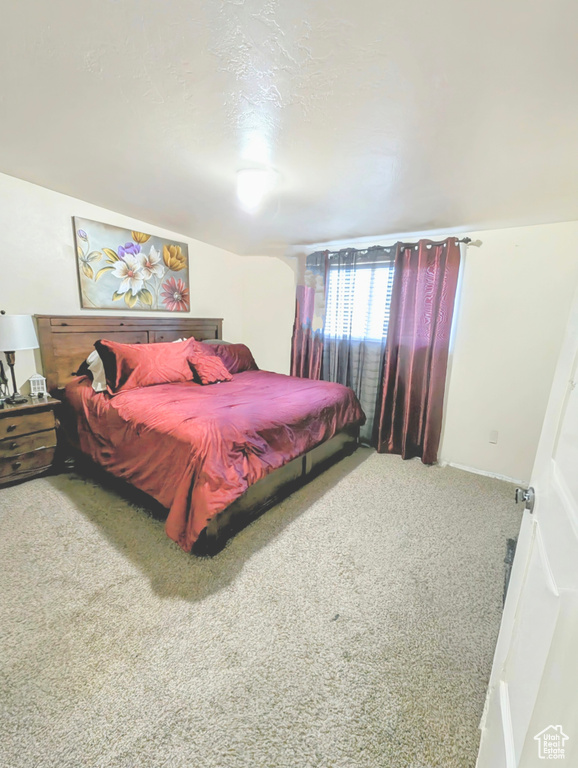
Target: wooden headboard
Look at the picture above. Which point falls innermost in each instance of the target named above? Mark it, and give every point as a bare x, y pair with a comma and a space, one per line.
67, 340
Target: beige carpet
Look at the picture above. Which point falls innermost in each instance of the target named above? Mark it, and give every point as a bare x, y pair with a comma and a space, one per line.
351, 626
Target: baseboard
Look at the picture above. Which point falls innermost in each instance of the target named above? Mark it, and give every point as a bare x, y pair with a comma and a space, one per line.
495, 475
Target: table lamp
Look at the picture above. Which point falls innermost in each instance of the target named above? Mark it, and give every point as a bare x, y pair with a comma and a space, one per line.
16, 332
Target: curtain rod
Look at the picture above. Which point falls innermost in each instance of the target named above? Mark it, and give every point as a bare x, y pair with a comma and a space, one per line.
465, 240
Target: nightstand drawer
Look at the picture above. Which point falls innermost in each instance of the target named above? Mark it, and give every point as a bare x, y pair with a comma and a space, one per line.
25, 462
27, 443
18, 423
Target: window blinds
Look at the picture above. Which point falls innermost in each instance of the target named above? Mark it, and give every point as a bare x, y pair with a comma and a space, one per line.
358, 301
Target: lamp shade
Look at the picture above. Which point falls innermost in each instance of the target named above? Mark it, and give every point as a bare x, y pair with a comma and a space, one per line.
17, 332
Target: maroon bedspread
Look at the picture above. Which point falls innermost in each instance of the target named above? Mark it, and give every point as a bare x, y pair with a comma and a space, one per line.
196, 449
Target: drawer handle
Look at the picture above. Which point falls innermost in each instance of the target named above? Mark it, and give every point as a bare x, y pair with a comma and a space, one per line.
16, 464
11, 427
12, 446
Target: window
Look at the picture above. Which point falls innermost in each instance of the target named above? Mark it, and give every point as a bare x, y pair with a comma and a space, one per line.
358, 300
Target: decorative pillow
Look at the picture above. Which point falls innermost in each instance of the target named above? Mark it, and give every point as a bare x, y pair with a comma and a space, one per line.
94, 369
237, 357
128, 366
83, 369
208, 369
212, 342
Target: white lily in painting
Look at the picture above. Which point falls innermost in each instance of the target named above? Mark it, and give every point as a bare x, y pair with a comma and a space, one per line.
151, 265
130, 271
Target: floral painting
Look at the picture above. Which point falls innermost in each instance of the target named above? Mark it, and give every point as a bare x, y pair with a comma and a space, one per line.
120, 268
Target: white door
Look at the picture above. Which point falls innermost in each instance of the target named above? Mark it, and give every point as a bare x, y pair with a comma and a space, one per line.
531, 714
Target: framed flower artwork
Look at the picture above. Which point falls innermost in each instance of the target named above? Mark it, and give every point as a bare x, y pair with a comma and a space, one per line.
120, 268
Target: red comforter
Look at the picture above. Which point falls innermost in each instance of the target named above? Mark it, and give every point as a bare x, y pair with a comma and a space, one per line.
196, 449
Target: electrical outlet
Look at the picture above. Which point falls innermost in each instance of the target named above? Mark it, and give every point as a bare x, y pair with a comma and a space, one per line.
494, 436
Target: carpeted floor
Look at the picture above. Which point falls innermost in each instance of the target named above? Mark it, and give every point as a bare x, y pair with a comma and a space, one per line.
352, 626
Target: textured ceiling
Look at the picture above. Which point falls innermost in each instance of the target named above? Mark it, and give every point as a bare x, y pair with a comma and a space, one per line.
379, 117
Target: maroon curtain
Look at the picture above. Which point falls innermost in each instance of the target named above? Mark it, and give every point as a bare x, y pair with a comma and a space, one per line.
306, 344
307, 341
417, 347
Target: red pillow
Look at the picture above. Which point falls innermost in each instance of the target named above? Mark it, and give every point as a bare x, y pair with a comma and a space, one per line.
237, 357
128, 366
208, 369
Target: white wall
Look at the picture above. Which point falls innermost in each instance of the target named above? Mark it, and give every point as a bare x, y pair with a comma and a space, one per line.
39, 276
269, 309
514, 304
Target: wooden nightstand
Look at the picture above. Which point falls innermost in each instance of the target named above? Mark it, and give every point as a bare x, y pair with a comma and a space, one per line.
27, 439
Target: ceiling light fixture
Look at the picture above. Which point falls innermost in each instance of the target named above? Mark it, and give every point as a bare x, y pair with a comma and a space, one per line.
252, 186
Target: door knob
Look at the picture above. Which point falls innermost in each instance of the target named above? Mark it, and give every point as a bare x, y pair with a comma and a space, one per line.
527, 496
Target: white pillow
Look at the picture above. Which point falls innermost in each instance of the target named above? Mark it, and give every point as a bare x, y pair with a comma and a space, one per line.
96, 367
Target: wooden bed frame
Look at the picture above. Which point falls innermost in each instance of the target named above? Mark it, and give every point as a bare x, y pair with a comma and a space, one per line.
66, 341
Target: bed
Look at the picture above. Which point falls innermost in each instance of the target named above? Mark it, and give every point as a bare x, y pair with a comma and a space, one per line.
215, 457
